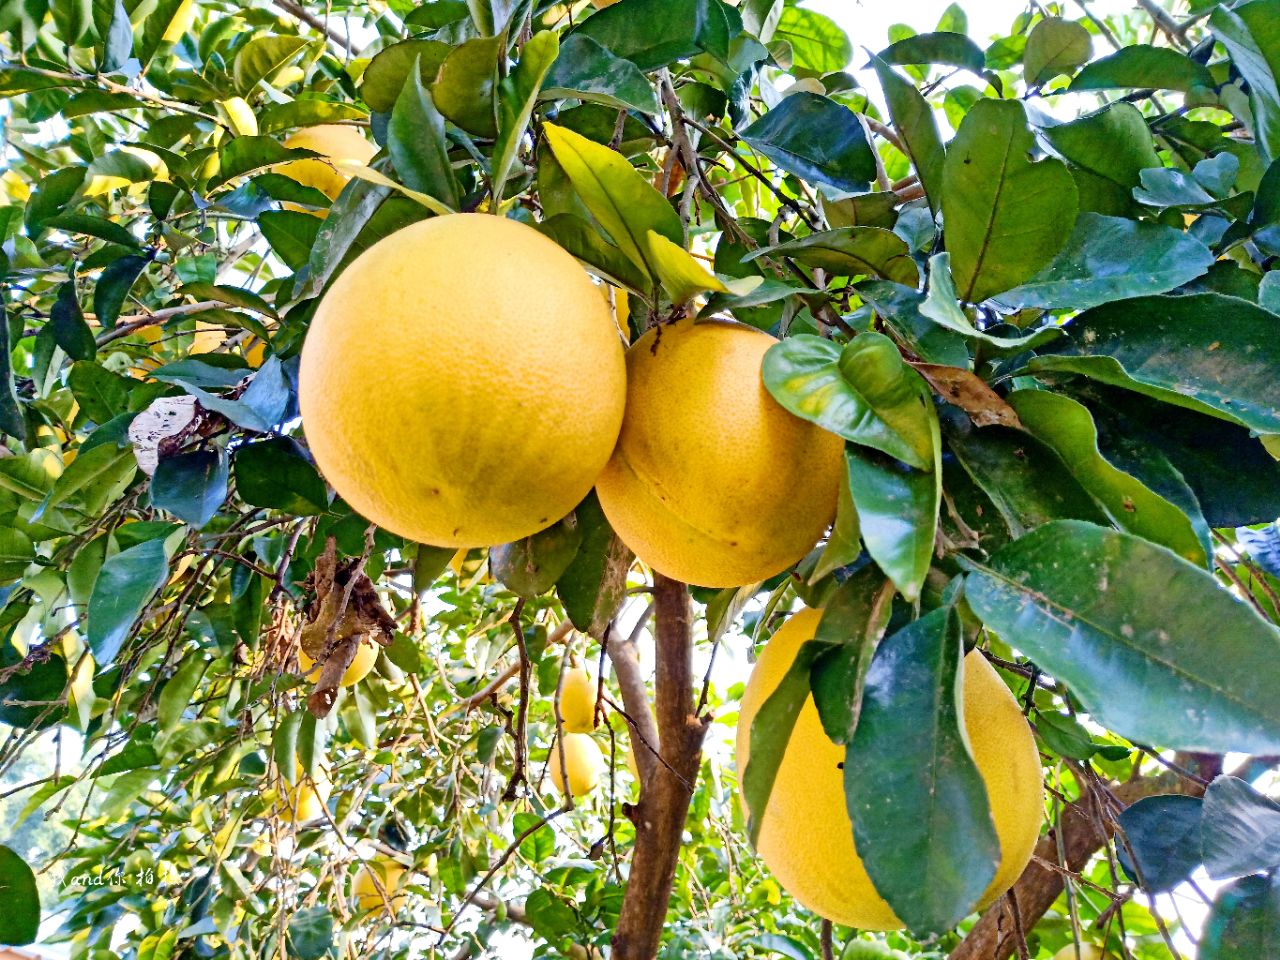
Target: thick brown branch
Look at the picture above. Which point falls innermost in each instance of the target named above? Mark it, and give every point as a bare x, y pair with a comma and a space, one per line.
995, 936
667, 788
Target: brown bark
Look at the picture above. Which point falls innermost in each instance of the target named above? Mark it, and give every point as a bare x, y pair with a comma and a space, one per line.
667, 789
995, 936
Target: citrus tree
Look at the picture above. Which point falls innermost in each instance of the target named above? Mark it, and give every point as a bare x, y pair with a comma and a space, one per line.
415, 415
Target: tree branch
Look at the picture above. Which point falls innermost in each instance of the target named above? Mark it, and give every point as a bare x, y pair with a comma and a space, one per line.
635, 697
668, 787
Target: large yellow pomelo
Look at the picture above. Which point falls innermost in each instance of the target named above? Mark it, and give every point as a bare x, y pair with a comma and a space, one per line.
332, 140
806, 838
712, 481
583, 761
366, 656
380, 892
305, 799
578, 701
462, 382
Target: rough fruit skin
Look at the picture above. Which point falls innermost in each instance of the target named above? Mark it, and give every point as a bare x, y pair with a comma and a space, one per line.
366, 656
332, 140
578, 701
365, 888
799, 839
462, 382
712, 481
583, 760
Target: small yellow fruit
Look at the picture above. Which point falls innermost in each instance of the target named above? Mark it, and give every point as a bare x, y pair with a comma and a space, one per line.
712, 481
331, 140
366, 656
305, 799
365, 887
578, 701
582, 759
254, 351
462, 382
806, 838
1087, 952
208, 337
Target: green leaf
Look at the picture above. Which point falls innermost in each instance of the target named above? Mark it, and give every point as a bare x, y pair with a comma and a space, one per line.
942, 307
853, 620
385, 77
1026, 481
844, 545
1241, 830
178, 691
38, 688
191, 486
276, 473
99, 227
100, 393
594, 584
517, 95
113, 287
1244, 922
156, 25
679, 271
818, 44
1067, 737
850, 252
70, 331
1150, 644
310, 933
20, 919
1055, 46
465, 88
588, 71
93, 473
124, 585
863, 392
538, 845
291, 234
417, 145
532, 566
258, 59
672, 30
917, 128
1004, 216
1112, 258
586, 243
921, 819
1161, 846
1067, 427
1251, 35
1115, 143
1143, 65
244, 155
952, 49
1208, 352
11, 421
623, 201
16, 553
898, 513
816, 139
275, 117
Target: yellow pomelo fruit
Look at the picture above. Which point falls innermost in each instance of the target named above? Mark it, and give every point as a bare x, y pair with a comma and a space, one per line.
208, 337
1087, 952
305, 799
583, 761
462, 382
806, 838
712, 481
365, 887
578, 701
332, 140
366, 656
254, 351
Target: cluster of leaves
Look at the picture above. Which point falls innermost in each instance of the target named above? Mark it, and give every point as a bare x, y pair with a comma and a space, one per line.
1048, 342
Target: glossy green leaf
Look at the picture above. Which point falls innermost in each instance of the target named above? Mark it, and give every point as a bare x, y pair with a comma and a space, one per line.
465, 90
1055, 46
70, 331
416, 143
114, 284
10, 413
1251, 36
1067, 427
16, 552
682, 276
817, 42
853, 620
28, 697
844, 543
276, 473
673, 29
311, 933
917, 127
385, 77
1161, 845
1148, 643
517, 95
291, 234
1143, 65
589, 71
1004, 215
586, 243
191, 486
942, 306
1244, 922
863, 392
532, 566
1241, 830
1208, 352
594, 584
921, 819
898, 513
951, 49
124, 585
92, 226
1111, 258
816, 139
1115, 143
623, 201
20, 919
177, 694
261, 57
850, 252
